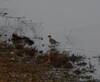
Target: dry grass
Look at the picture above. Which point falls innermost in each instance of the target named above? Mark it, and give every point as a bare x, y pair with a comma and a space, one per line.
24, 65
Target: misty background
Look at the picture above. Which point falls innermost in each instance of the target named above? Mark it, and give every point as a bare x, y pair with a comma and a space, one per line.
61, 16
78, 20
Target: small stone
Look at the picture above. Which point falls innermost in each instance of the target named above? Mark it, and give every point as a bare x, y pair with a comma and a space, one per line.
13, 59
12, 53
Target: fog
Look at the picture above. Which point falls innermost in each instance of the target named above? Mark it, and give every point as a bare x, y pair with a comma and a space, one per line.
59, 17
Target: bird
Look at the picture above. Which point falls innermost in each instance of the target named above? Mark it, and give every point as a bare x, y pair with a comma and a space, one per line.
52, 41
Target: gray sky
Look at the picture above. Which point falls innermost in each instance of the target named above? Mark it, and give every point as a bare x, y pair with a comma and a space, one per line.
59, 16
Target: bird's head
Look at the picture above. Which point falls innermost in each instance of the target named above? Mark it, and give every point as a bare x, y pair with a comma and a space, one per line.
49, 35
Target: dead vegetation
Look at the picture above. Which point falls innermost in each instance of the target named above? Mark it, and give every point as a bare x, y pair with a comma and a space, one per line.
23, 64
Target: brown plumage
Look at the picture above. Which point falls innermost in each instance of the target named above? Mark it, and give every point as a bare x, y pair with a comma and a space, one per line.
52, 41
